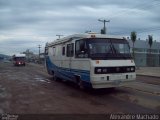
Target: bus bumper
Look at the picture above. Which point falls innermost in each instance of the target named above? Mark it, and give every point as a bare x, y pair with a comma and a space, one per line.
109, 81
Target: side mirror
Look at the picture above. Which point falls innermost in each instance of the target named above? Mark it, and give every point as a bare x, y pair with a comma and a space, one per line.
82, 46
82, 52
71, 51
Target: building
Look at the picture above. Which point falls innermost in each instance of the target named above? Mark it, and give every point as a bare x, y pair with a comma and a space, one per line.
143, 55
30, 56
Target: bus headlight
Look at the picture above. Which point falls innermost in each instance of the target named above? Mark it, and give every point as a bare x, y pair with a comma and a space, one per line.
101, 70
104, 70
119, 69
132, 69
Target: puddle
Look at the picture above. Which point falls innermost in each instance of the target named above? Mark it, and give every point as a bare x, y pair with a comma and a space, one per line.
5, 71
2, 89
12, 77
1, 111
3, 93
40, 79
4, 106
42, 92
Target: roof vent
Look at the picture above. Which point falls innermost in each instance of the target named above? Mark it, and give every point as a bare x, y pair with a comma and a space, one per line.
92, 33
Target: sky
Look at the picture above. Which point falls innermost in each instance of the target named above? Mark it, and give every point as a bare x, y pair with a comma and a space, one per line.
25, 24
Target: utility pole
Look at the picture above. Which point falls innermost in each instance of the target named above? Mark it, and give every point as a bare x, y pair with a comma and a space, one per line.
39, 46
103, 31
59, 36
27, 54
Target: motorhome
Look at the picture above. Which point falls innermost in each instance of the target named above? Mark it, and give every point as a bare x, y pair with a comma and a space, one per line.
91, 60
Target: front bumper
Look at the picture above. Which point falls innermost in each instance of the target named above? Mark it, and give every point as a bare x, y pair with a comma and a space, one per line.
112, 80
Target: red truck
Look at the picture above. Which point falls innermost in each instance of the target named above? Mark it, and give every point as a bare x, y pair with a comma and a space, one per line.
19, 59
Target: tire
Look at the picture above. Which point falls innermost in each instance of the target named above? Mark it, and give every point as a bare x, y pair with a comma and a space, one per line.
55, 78
80, 84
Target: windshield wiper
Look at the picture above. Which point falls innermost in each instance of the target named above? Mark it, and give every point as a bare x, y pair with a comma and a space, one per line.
117, 53
112, 48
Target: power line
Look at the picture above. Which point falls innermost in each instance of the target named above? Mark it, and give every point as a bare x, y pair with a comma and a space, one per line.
143, 6
39, 46
138, 31
15, 35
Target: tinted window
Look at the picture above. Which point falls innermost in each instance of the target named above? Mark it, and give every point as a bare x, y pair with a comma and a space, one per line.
81, 49
63, 50
46, 51
70, 48
54, 51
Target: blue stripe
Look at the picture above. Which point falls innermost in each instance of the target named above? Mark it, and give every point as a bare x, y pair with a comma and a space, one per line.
66, 73
75, 70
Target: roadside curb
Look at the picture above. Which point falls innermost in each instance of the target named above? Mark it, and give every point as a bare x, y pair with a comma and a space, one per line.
148, 75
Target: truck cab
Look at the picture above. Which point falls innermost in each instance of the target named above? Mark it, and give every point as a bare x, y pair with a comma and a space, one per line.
19, 60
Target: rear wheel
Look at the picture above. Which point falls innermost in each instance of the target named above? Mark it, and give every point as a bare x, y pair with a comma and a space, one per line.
79, 82
55, 77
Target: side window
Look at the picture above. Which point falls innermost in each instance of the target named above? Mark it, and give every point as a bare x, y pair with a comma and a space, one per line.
54, 51
46, 51
81, 49
77, 47
63, 50
70, 50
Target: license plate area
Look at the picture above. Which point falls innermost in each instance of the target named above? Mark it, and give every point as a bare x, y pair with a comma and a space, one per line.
118, 77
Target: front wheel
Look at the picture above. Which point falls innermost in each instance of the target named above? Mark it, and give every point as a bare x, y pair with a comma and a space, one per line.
81, 85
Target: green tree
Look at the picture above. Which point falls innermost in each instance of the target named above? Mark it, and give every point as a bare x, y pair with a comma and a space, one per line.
133, 38
150, 41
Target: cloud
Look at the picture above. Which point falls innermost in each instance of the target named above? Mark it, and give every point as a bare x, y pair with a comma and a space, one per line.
35, 20
12, 46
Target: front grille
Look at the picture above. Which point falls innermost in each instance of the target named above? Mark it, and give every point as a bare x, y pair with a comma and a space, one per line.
107, 70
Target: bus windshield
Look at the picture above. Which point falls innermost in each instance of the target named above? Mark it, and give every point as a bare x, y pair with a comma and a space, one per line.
109, 49
105, 48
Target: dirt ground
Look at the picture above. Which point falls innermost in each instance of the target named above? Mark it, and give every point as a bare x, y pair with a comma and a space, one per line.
30, 90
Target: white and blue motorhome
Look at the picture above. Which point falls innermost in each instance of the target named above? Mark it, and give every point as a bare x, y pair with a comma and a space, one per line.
91, 60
